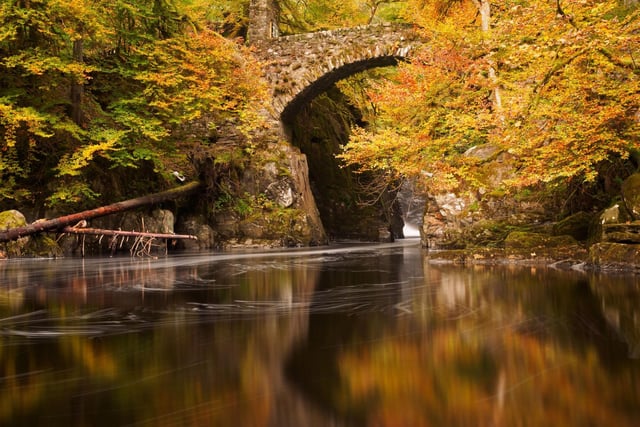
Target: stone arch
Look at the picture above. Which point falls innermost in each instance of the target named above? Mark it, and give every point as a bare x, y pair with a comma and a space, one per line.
325, 81
300, 67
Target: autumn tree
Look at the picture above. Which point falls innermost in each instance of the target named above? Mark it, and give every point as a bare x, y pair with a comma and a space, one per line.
86, 87
555, 84
299, 16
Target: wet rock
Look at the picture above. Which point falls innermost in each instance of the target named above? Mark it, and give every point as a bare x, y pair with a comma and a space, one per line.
615, 256
195, 227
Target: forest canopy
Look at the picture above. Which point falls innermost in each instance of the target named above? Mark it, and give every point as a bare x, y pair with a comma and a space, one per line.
555, 84
92, 89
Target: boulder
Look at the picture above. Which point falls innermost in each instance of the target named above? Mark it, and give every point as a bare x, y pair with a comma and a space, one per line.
30, 246
613, 215
12, 219
196, 227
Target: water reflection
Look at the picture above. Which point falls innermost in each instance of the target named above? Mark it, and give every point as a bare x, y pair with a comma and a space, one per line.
372, 336
135, 342
477, 346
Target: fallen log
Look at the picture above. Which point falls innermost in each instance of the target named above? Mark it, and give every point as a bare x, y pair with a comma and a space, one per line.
63, 221
117, 233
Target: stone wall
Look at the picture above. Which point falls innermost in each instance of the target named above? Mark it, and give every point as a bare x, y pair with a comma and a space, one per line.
263, 15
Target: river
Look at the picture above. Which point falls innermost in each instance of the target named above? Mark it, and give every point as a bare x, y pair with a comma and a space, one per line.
348, 335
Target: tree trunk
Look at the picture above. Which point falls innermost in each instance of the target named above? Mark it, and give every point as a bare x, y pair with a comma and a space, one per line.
63, 221
77, 88
484, 9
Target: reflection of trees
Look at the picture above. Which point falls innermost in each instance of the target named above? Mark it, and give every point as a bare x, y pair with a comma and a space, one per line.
619, 298
383, 345
513, 380
133, 347
545, 303
480, 346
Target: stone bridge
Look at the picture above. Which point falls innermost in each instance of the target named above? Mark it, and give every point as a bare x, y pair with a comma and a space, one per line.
302, 66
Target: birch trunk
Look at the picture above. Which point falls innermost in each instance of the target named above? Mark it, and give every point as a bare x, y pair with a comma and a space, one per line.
484, 9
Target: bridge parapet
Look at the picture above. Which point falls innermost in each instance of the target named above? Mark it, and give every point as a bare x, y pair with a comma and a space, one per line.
302, 66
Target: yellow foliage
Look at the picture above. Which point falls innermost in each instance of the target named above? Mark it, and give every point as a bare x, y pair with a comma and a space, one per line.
568, 82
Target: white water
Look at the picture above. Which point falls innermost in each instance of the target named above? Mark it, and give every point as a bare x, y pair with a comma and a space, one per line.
410, 230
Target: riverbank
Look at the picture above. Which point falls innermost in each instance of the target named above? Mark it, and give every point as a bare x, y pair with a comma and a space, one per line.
606, 256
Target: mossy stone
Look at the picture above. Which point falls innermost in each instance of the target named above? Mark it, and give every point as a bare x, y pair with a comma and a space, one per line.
43, 247
28, 246
13, 219
529, 240
524, 239
615, 256
576, 226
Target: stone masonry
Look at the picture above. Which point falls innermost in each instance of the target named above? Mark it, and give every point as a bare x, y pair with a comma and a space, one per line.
302, 66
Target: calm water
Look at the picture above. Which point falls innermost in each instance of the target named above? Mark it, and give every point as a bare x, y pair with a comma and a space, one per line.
349, 336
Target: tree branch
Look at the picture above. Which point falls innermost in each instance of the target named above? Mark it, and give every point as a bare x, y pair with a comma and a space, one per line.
117, 233
63, 221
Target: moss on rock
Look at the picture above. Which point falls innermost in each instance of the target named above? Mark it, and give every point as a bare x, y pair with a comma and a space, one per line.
13, 219
28, 246
43, 246
615, 256
529, 240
